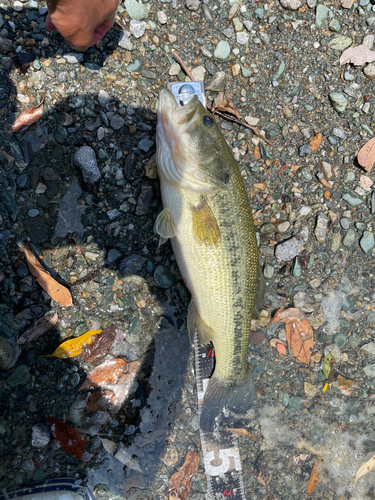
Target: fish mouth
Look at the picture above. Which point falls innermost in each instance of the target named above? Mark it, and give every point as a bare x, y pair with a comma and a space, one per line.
172, 114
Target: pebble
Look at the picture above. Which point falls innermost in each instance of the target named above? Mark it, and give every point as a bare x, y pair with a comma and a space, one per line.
289, 249
134, 66
268, 271
137, 10
349, 238
217, 82
207, 14
17, 6
369, 71
9, 353
368, 40
370, 370
321, 228
296, 269
340, 42
137, 28
367, 242
124, 41
174, 69
222, 50
335, 25
369, 348
349, 177
327, 170
20, 376
114, 254
145, 145
193, 4
162, 17
291, 4
132, 264
117, 122
163, 276
338, 101
279, 72
237, 24
344, 222
259, 13
85, 159
242, 38
352, 200
104, 98
335, 242
73, 58
321, 15
340, 339
304, 150
33, 212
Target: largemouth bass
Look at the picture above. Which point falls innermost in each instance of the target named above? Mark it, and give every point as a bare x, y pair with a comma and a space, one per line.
207, 216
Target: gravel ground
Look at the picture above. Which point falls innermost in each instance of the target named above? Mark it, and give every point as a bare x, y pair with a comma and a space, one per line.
80, 186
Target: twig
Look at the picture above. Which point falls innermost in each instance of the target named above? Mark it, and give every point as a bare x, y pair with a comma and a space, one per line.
219, 113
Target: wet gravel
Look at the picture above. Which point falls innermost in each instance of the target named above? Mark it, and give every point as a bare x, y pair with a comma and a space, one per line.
80, 186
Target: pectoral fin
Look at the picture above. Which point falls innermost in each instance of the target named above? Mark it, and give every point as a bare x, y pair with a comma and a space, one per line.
165, 225
205, 226
195, 323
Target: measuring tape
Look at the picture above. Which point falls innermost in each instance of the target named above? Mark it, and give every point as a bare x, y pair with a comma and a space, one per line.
220, 449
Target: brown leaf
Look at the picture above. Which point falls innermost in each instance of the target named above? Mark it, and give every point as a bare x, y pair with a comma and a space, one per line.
101, 401
98, 349
299, 333
300, 337
27, 117
179, 483
71, 440
54, 289
314, 476
106, 373
42, 326
228, 107
366, 155
357, 55
217, 101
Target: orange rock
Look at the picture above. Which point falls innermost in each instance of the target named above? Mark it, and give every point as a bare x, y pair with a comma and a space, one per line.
256, 153
327, 195
316, 142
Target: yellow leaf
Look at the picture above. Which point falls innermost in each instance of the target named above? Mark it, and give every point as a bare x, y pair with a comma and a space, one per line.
73, 347
365, 468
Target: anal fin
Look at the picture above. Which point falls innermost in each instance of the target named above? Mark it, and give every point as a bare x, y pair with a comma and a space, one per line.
195, 323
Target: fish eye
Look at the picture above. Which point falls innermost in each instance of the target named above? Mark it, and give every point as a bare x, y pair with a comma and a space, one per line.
208, 121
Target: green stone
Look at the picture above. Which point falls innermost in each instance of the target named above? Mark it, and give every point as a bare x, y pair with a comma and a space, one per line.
279, 72
335, 25
336, 242
19, 377
321, 15
367, 242
349, 238
137, 10
296, 268
349, 177
355, 340
340, 339
163, 276
13, 322
340, 42
352, 200
222, 50
61, 134
295, 404
134, 66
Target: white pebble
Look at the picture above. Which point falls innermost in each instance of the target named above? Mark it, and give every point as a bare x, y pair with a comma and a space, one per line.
18, 6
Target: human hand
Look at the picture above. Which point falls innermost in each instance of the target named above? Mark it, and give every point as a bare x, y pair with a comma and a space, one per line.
82, 23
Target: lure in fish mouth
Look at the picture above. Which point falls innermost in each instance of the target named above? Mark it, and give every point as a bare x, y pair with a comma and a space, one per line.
207, 216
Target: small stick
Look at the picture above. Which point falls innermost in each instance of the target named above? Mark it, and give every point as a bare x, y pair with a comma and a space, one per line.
219, 113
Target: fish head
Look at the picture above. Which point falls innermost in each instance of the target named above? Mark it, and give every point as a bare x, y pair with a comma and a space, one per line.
191, 150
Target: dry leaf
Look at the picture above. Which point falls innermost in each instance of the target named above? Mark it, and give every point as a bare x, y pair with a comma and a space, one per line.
264, 477
101, 401
179, 483
314, 476
54, 289
106, 373
300, 337
365, 468
316, 142
121, 389
71, 440
97, 350
357, 55
217, 101
299, 333
366, 155
73, 347
228, 107
42, 326
27, 117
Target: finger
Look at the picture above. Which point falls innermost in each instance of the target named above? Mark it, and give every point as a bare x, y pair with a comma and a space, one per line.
49, 24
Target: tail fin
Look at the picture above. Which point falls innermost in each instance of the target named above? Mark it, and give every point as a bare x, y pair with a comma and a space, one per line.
228, 404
